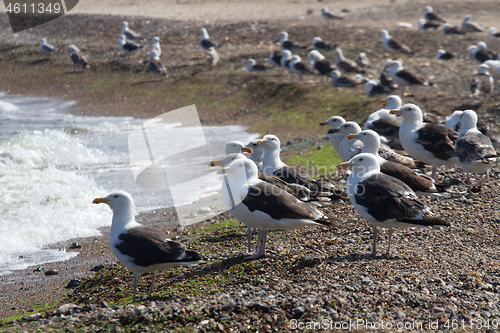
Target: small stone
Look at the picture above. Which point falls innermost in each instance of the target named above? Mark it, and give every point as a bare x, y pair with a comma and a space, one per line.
400, 315
204, 322
228, 306
104, 304
437, 309
75, 246
97, 268
39, 269
73, 283
298, 312
65, 308
51, 272
139, 309
219, 327
34, 316
366, 281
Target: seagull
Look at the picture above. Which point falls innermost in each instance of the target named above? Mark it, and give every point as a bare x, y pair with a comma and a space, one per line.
430, 143
77, 56
275, 58
381, 121
474, 151
266, 205
139, 248
493, 32
337, 80
449, 29
393, 45
404, 77
482, 83
335, 138
481, 53
374, 88
286, 44
300, 67
427, 25
127, 46
443, 55
385, 79
252, 66
470, 26
156, 45
257, 154
348, 148
495, 66
320, 45
273, 165
420, 184
130, 34
346, 65
205, 41
362, 60
429, 15
212, 57
155, 66
46, 47
286, 57
323, 66
385, 201
329, 15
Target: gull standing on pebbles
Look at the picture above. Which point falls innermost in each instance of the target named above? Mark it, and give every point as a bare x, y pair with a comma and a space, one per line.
139, 248
155, 43
205, 41
392, 44
443, 55
252, 66
286, 44
46, 47
429, 15
482, 83
212, 57
330, 15
320, 45
430, 143
155, 66
344, 64
127, 46
471, 26
129, 33
77, 56
385, 201
473, 150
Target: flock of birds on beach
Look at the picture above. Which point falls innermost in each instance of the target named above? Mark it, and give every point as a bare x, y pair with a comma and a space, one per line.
385, 162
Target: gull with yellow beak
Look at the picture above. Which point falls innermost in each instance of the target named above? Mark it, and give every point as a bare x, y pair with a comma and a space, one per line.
139, 248
384, 201
430, 143
384, 123
420, 184
264, 205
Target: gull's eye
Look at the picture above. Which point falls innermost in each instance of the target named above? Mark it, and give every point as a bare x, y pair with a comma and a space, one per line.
116, 196
360, 159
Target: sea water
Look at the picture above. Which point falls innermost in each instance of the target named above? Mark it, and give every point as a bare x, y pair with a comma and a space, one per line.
53, 163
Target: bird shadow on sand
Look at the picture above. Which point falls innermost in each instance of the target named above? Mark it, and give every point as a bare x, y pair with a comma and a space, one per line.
145, 82
39, 61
